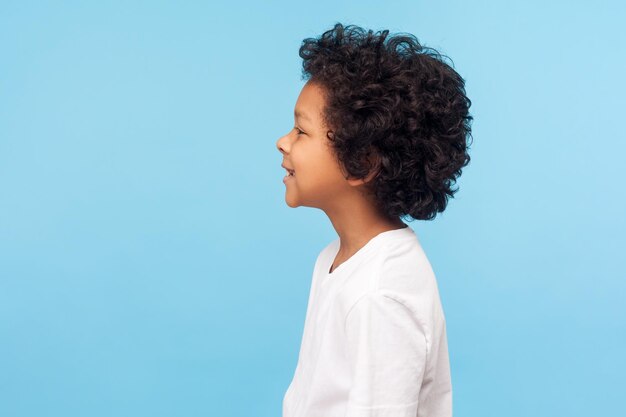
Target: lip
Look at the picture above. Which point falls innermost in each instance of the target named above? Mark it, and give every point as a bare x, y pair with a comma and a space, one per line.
287, 177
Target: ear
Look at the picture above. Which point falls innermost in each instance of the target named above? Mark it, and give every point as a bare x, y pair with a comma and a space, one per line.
374, 163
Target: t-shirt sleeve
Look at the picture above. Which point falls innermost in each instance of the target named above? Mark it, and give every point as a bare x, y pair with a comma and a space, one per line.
387, 350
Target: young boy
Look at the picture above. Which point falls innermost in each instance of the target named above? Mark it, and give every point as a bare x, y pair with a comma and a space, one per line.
380, 133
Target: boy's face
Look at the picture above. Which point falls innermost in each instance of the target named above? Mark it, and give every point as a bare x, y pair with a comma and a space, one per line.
317, 179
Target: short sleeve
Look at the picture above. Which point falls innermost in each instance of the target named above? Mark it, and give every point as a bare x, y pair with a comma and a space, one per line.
387, 351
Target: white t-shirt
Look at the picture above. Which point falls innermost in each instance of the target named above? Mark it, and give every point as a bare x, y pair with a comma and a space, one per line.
374, 342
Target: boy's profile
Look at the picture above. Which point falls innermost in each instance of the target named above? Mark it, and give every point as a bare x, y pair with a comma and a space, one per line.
380, 134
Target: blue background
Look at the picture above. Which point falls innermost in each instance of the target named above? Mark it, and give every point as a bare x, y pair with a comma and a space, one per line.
149, 265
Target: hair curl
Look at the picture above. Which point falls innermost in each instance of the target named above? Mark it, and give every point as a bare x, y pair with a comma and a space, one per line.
394, 107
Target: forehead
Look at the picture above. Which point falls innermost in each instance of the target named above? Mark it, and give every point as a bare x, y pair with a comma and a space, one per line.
310, 103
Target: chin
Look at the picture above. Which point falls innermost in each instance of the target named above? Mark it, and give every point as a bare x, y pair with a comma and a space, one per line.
291, 203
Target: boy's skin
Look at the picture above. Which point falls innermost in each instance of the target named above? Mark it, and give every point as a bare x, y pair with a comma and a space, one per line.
319, 181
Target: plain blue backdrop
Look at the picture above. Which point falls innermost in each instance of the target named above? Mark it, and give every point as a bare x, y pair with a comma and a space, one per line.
149, 265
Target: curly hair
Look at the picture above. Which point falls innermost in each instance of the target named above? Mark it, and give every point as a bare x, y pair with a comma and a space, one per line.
394, 107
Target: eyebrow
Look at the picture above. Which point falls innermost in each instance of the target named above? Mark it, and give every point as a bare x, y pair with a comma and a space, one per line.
301, 115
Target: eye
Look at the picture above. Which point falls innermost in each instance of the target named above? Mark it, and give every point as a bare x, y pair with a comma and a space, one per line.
299, 131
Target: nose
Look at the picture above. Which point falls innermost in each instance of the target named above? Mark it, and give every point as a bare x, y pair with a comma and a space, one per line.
281, 142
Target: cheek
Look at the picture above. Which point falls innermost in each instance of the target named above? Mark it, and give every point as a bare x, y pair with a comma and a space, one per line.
325, 173
315, 163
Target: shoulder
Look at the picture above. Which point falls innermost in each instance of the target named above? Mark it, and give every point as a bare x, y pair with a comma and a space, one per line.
404, 268
399, 276
398, 266
407, 276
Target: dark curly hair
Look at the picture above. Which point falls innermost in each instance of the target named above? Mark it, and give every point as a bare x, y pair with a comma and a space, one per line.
395, 107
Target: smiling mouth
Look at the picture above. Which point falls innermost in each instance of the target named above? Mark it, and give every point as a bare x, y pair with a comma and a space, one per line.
289, 176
